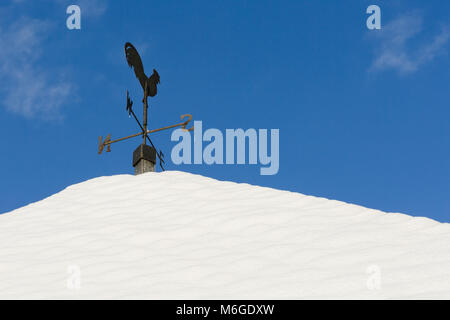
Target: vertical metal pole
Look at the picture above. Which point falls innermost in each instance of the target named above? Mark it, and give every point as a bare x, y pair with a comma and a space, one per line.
145, 114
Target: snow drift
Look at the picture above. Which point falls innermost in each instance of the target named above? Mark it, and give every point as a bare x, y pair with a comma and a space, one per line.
191, 237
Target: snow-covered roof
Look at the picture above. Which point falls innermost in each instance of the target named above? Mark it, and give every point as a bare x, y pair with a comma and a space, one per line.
175, 235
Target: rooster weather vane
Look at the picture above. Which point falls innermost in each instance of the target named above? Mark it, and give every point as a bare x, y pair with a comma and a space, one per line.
144, 157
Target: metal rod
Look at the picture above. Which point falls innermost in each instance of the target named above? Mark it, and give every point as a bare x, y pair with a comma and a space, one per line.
145, 110
149, 140
165, 128
142, 128
145, 134
148, 132
124, 138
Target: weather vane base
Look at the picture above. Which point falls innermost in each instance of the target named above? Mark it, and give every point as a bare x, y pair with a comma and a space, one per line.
144, 159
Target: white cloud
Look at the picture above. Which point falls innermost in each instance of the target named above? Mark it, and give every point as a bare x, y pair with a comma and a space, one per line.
29, 90
394, 49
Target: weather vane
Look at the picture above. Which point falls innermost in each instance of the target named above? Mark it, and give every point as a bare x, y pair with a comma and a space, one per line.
144, 157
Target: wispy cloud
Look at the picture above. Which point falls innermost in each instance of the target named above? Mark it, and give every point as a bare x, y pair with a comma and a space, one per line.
29, 90
394, 49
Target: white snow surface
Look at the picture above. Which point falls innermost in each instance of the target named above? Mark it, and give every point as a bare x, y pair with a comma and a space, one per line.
176, 235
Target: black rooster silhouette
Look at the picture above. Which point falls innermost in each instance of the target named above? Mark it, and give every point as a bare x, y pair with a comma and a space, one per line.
135, 62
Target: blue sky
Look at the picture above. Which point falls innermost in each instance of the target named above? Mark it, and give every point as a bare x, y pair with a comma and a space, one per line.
363, 115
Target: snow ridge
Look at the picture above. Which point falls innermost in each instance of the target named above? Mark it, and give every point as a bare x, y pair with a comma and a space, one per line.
192, 237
